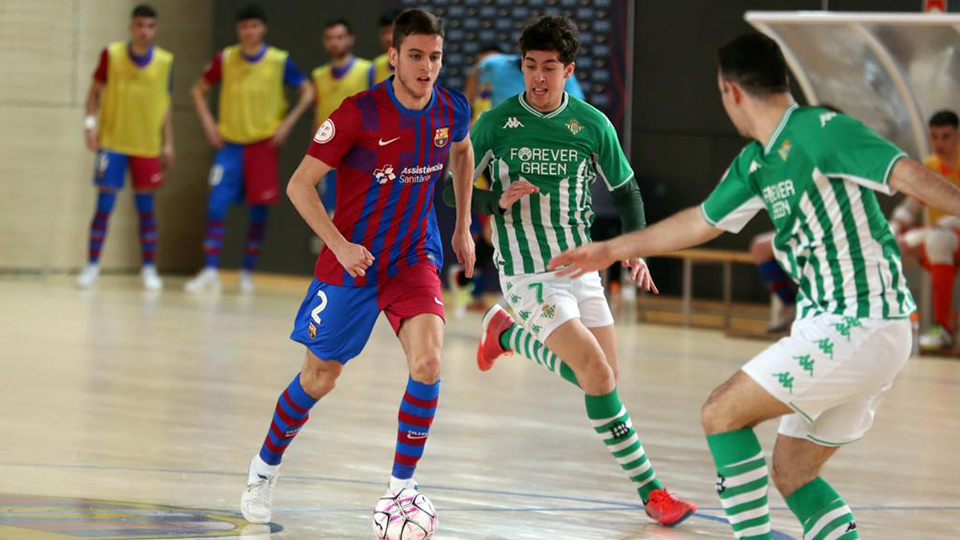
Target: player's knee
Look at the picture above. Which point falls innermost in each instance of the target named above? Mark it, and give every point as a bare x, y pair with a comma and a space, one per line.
786, 478
712, 416
318, 381
596, 376
426, 368
761, 248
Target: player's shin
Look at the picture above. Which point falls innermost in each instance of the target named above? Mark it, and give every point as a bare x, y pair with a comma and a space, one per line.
742, 482
417, 410
822, 512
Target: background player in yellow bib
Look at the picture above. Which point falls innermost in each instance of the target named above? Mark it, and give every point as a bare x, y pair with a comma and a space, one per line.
251, 128
131, 91
382, 68
342, 77
935, 238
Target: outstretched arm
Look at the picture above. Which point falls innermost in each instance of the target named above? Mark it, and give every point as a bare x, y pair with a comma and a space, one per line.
919, 182
682, 230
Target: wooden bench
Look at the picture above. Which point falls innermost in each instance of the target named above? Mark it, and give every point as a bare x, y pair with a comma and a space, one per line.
725, 259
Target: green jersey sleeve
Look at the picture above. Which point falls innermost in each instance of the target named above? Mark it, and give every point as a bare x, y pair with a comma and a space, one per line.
852, 151
733, 203
481, 139
611, 165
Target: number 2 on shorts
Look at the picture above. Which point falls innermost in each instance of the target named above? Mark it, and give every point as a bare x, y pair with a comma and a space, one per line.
315, 314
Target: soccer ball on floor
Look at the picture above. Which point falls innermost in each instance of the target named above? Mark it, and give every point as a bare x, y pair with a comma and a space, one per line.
405, 514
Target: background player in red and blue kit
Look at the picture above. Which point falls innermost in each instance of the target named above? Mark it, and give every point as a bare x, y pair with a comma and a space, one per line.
250, 129
135, 132
382, 249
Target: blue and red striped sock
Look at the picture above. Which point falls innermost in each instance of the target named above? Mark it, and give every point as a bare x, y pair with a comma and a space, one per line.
255, 234
778, 281
98, 226
292, 412
417, 409
213, 243
148, 227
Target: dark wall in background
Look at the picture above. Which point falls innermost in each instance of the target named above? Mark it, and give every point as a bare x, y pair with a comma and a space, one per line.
682, 141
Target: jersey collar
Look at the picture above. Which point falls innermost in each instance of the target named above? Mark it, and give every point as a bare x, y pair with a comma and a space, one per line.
780, 126
140, 61
404, 110
255, 58
532, 110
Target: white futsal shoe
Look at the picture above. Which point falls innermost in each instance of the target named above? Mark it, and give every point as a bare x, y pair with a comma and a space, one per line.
245, 281
256, 504
150, 277
207, 280
88, 276
397, 484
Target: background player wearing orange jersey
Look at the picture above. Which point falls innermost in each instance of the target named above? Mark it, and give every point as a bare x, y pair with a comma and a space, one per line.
937, 239
131, 92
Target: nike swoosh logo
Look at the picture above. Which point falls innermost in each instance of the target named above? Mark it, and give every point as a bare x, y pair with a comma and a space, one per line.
384, 143
439, 303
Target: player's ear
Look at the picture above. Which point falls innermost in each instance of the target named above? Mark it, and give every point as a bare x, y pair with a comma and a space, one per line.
392, 56
568, 69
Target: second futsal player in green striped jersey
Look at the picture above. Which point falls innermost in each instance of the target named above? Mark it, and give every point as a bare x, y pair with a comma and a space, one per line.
543, 150
816, 174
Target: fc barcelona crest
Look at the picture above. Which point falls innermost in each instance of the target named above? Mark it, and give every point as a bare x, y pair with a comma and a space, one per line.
574, 127
312, 331
441, 137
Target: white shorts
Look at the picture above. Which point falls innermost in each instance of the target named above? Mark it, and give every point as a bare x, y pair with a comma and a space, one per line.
542, 302
833, 371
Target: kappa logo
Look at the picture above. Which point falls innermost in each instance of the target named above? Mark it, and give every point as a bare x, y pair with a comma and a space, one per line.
384, 174
721, 483
826, 117
754, 166
325, 132
512, 123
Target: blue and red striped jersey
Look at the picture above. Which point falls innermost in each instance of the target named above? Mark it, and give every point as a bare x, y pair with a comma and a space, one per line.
388, 159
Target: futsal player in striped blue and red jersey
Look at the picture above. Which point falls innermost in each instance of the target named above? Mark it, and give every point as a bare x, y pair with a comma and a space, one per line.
382, 249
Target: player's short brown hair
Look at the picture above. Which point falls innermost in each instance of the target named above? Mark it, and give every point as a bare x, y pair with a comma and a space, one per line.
551, 33
415, 21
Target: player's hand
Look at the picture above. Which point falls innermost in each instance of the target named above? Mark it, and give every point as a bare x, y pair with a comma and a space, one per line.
214, 137
354, 258
91, 136
516, 191
168, 158
280, 136
465, 249
640, 274
582, 260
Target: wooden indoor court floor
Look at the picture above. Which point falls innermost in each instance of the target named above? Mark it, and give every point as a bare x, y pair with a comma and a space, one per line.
127, 415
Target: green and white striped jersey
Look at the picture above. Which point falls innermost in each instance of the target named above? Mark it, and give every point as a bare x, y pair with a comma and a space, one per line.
561, 152
816, 178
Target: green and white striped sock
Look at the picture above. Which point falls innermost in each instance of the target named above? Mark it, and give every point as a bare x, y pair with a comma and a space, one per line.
612, 422
519, 340
823, 513
742, 482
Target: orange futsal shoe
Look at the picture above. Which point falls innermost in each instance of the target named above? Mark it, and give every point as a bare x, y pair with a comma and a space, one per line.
668, 510
495, 322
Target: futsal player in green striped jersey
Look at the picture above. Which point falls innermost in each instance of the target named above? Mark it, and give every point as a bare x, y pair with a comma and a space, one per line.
543, 150
816, 174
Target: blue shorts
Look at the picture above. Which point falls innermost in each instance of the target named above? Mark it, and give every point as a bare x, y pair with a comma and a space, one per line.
111, 170
244, 170
335, 321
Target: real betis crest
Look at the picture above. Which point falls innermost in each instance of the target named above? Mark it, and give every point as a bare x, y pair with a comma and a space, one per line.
574, 127
784, 150
549, 311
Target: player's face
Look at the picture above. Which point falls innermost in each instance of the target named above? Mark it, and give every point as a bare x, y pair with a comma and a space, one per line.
386, 37
732, 98
418, 63
944, 140
250, 32
142, 30
337, 41
544, 77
